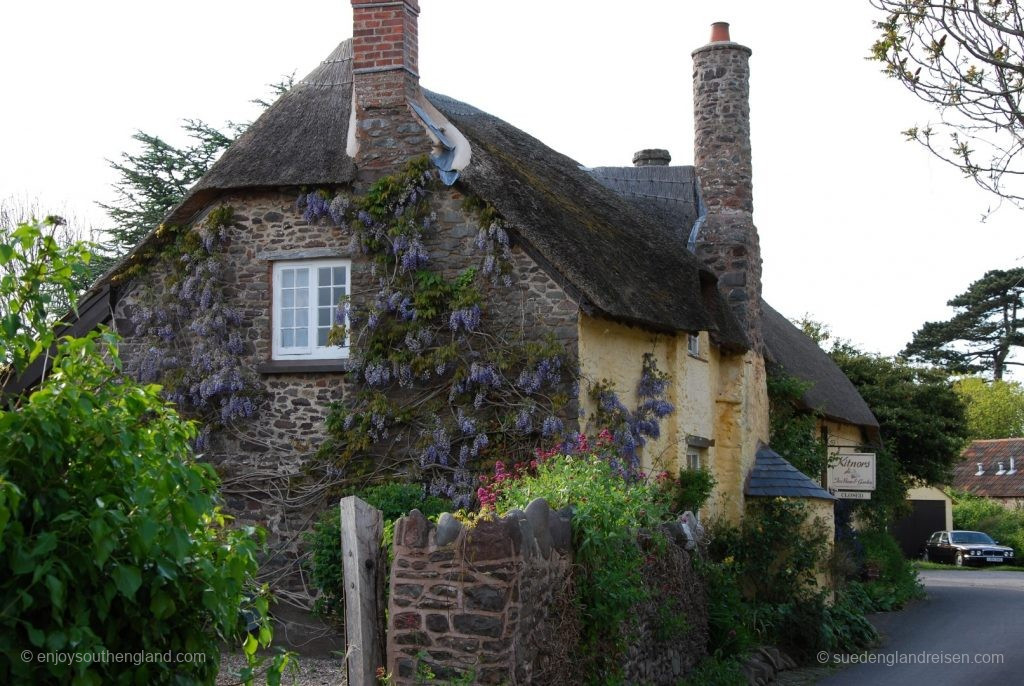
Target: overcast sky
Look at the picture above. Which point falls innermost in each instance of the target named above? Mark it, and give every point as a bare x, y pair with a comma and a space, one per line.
859, 229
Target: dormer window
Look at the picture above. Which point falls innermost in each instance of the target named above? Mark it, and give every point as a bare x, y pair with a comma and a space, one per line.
306, 298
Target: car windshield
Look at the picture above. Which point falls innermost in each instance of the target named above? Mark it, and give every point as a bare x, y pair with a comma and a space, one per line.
970, 537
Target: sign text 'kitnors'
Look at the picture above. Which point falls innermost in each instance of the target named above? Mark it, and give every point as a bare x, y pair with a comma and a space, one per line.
852, 472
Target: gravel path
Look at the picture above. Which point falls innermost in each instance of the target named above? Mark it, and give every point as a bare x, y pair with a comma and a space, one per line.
313, 671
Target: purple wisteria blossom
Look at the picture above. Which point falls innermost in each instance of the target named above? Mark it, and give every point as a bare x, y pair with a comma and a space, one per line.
466, 319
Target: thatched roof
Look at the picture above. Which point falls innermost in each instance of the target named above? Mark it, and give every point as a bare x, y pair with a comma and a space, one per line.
299, 140
990, 453
831, 392
619, 257
773, 476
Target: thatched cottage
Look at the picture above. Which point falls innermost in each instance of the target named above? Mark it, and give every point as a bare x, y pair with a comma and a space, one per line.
233, 303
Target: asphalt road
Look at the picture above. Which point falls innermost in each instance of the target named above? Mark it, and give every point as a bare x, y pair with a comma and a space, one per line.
969, 630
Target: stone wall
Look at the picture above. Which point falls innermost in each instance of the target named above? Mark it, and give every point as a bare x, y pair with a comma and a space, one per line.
494, 603
270, 475
728, 242
475, 600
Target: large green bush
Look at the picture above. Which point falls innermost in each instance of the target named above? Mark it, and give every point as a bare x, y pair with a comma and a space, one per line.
608, 513
897, 580
762, 587
111, 539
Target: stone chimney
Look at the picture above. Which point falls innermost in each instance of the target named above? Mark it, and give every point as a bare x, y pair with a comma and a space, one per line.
652, 157
385, 70
728, 242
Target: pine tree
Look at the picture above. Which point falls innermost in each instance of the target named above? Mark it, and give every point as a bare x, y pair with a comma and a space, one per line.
983, 333
155, 179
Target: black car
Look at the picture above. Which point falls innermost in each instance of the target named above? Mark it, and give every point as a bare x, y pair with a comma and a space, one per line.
966, 548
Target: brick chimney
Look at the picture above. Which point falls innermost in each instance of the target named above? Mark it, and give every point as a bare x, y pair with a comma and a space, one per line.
385, 72
728, 242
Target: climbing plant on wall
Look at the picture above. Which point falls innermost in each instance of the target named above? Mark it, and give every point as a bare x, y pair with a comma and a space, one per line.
188, 333
445, 386
441, 385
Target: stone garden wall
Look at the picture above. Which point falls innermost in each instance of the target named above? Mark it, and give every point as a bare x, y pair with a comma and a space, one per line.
493, 603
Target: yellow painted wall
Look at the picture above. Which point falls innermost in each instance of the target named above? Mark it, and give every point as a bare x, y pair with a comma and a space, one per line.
841, 434
721, 397
821, 517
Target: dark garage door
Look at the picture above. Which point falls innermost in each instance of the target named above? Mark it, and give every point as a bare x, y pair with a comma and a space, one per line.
926, 517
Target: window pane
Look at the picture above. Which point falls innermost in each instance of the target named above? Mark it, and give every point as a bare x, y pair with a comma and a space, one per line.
301, 338
287, 297
324, 297
287, 278
339, 276
287, 318
324, 276
339, 293
323, 316
301, 317
287, 338
302, 277
321, 337
302, 297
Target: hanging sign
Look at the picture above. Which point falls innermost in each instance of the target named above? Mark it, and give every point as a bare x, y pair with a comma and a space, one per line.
852, 472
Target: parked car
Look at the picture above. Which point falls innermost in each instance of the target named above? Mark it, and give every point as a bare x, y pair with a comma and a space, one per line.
965, 548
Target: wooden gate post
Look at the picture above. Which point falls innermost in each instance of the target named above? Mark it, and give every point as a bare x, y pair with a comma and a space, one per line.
362, 527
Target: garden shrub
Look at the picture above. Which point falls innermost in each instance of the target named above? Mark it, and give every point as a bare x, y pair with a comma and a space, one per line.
689, 490
897, 581
609, 512
111, 535
762, 586
394, 500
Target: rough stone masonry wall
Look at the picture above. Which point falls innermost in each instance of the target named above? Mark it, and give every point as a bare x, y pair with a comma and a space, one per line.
494, 603
268, 464
728, 243
475, 601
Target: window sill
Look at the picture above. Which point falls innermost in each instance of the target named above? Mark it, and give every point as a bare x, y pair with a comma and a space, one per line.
303, 366
696, 357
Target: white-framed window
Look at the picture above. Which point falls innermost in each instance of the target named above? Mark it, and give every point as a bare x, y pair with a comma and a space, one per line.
306, 295
693, 344
692, 459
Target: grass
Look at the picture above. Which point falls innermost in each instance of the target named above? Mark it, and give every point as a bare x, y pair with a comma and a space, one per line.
921, 564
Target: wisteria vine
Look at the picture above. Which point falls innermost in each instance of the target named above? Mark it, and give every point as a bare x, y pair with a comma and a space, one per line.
190, 338
441, 388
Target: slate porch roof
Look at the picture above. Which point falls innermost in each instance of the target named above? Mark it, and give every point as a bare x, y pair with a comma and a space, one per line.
990, 453
773, 476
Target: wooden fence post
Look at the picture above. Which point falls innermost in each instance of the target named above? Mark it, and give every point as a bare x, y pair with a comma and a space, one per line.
362, 527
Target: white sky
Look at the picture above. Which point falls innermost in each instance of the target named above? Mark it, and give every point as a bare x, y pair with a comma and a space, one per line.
859, 229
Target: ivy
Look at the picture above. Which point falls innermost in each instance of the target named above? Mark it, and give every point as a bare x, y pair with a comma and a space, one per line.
793, 430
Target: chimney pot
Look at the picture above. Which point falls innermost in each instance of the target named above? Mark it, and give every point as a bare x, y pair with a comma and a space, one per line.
981, 470
1000, 471
720, 32
651, 157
